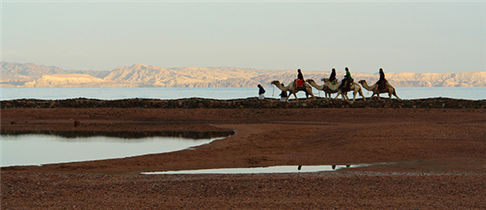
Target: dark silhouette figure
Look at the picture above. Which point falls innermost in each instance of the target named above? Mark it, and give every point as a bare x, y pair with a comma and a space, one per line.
299, 82
332, 78
283, 94
261, 92
381, 84
299, 74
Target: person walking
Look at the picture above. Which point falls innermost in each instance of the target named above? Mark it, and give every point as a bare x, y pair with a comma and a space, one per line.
261, 92
283, 95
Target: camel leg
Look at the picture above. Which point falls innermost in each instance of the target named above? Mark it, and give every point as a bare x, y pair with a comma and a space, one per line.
373, 95
328, 98
344, 95
361, 93
395, 94
312, 95
296, 96
308, 91
354, 95
339, 93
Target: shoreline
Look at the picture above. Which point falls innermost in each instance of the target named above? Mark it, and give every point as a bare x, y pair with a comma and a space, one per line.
439, 156
252, 102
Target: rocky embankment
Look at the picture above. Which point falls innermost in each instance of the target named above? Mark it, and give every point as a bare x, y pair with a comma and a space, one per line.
244, 103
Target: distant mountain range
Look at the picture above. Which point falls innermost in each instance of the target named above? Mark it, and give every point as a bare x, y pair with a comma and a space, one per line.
138, 75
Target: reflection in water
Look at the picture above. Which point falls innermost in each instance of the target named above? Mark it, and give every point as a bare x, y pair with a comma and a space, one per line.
124, 134
259, 170
43, 147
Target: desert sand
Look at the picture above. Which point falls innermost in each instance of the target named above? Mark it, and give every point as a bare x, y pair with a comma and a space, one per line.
423, 158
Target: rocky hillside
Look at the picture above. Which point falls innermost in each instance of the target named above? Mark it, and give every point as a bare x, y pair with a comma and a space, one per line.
17, 74
144, 75
138, 75
67, 80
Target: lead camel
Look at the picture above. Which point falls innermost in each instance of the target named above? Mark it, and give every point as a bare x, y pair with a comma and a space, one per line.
388, 89
293, 90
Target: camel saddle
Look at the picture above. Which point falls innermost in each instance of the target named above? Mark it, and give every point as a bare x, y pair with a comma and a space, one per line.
347, 85
382, 85
299, 83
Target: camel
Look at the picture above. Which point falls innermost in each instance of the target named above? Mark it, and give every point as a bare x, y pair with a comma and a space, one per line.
356, 88
328, 88
293, 90
389, 89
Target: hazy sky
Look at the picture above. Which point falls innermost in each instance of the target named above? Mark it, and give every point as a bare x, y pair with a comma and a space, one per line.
435, 37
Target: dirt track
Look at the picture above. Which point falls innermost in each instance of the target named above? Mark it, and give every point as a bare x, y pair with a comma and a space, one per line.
438, 160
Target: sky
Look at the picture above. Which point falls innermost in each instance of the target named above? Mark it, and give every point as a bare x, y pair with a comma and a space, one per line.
418, 36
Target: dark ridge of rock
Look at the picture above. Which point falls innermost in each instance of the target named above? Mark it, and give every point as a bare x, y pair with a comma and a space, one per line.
189, 103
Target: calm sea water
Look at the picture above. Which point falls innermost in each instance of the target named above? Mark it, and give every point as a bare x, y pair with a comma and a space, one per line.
474, 93
260, 170
36, 149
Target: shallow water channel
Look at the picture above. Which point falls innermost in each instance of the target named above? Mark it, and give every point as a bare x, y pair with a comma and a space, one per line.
260, 170
44, 147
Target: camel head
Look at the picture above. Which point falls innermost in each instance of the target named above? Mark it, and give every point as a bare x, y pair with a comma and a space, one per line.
275, 82
309, 80
362, 81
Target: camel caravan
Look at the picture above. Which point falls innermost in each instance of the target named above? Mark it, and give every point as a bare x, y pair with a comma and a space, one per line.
332, 85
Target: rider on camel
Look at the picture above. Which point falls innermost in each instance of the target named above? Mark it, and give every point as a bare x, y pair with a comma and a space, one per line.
346, 82
381, 84
300, 79
332, 78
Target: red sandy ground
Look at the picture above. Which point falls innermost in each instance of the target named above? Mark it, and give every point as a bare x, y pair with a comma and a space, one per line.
436, 159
